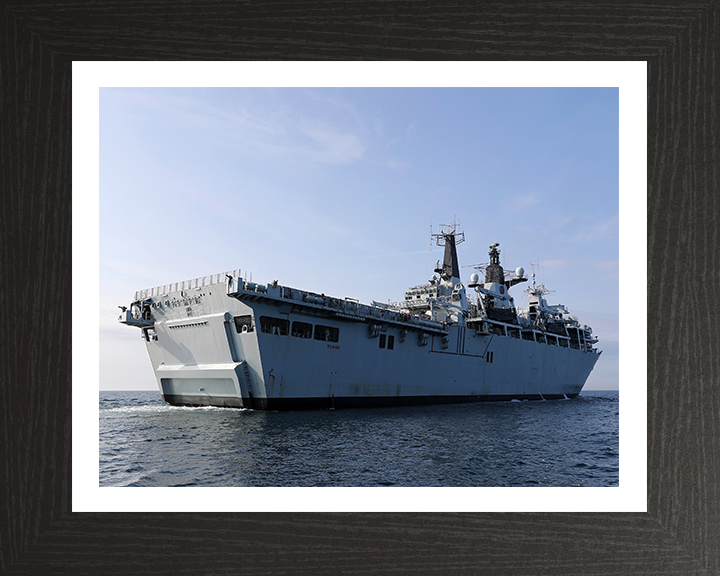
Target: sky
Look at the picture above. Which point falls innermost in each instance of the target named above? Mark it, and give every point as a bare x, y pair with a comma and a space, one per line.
336, 191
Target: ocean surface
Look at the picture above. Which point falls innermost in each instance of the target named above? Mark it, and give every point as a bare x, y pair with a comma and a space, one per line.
145, 442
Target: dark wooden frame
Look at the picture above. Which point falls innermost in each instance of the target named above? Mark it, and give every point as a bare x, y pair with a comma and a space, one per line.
680, 533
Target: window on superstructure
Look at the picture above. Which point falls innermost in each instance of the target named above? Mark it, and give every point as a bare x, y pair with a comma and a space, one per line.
277, 326
382, 340
326, 333
301, 330
243, 323
391, 342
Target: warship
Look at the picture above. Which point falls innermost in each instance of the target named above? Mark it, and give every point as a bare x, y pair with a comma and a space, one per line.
223, 340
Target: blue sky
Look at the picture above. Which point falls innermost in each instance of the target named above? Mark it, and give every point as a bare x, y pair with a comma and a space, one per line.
335, 190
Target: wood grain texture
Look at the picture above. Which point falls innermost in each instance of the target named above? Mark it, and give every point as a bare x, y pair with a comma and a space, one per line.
680, 534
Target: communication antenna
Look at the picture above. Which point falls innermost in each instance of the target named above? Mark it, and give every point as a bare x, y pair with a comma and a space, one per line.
533, 271
447, 230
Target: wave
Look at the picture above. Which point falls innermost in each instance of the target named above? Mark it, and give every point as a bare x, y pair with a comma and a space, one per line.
162, 408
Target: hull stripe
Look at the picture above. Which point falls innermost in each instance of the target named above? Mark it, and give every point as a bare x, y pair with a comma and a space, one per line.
282, 404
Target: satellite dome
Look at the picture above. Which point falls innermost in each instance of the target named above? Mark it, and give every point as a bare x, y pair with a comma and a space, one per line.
519, 271
474, 279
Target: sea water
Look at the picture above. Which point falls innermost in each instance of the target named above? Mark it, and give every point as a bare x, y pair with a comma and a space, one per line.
145, 442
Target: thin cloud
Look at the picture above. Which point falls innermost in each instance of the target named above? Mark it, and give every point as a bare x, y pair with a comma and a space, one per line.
399, 163
610, 266
411, 131
395, 254
252, 129
554, 263
600, 231
527, 200
328, 145
132, 268
607, 264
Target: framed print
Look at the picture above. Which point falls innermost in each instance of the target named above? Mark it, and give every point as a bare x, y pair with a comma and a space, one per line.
44, 529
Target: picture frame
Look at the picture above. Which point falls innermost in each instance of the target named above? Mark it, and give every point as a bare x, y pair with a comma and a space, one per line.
39, 533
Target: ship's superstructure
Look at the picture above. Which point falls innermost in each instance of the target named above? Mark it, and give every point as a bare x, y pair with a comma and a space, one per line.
222, 340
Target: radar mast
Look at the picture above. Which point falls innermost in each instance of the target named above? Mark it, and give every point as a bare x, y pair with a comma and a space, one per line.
450, 238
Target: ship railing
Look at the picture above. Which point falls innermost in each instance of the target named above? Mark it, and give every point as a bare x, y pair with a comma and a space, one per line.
400, 305
419, 287
199, 282
393, 312
350, 306
416, 304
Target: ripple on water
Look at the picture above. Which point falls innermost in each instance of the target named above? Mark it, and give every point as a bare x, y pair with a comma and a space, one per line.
550, 443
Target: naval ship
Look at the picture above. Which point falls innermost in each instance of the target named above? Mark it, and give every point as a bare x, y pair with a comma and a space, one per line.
223, 340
